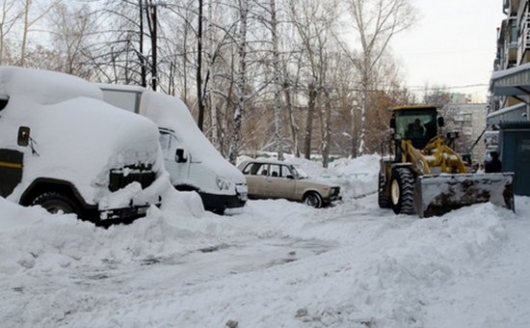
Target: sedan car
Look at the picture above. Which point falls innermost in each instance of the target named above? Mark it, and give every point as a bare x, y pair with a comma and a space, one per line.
277, 179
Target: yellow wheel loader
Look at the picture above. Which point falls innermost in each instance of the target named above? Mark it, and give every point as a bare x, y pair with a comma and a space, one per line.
424, 176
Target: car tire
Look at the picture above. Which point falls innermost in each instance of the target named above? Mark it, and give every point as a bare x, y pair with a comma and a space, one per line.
313, 199
56, 202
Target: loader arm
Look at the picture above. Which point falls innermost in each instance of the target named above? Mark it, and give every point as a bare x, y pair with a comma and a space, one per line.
444, 157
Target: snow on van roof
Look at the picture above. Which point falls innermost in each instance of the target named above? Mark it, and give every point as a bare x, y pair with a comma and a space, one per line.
171, 113
44, 87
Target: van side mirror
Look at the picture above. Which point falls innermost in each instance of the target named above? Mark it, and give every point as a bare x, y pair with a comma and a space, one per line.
440, 121
23, 136
179, 156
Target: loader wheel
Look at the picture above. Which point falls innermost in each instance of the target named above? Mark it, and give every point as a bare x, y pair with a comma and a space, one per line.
382, 198
402, 191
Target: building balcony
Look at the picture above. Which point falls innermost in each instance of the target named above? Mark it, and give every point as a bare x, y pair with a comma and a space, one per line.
510, 7
523, 55
511, 51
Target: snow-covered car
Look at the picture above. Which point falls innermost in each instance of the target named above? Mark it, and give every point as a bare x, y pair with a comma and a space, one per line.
277, 179
63, 148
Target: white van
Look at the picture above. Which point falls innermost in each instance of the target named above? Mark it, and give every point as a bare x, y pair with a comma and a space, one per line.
192, 161
64, 148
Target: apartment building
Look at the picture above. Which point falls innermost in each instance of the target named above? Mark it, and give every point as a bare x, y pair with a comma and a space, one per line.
510, 90
510, 81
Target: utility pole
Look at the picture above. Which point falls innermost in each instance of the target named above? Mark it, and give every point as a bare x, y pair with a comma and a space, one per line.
199, 69
141, 45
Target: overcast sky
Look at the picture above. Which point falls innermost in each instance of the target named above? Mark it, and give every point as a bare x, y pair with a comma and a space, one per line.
453, 44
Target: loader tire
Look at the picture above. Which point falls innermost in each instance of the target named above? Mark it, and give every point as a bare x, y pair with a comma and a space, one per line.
402, 191
382, 197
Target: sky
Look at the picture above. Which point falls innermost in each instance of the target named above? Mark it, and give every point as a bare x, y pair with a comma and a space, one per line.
453, 45
276, 264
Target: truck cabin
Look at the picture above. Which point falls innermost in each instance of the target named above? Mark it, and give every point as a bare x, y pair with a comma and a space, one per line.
414, 123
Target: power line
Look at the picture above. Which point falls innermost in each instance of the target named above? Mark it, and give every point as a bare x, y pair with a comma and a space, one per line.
419, 88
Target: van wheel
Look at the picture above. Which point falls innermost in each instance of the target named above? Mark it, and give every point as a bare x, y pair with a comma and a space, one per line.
313, 199
56, 202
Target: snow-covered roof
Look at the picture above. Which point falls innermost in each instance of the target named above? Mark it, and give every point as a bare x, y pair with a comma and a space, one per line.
512, 81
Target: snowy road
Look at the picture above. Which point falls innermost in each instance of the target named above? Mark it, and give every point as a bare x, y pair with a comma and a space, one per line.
278, 264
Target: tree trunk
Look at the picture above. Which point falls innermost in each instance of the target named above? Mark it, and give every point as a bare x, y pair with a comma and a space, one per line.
278, 130
212, 99
326, 138
292, 120
200, 99
240, 83
309, 122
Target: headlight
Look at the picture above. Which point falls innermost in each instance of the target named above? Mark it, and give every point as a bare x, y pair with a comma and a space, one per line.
223, 184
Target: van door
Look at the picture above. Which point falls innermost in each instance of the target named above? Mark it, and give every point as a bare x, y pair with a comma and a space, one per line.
177, 160
10, 170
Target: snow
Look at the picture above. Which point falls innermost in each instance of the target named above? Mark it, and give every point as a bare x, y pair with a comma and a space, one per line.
277, 264
76, 136
171, 113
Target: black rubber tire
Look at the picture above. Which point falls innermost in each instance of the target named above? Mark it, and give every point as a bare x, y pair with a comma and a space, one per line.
313, 199
382, 198
55, 202
402, 191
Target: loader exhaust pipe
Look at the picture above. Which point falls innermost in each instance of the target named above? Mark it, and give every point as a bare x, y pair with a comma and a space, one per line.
436, 195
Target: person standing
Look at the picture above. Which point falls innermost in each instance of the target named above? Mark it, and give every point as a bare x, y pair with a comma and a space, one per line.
493, 165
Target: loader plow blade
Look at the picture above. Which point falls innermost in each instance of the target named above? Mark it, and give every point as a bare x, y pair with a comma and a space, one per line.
439, 194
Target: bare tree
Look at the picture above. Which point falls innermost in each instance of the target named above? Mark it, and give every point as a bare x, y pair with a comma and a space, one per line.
71, 27
375, 23
11, 13
314, 22
240, 81
28, 20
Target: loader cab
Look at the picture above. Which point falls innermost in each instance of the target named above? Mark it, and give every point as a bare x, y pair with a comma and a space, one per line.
415, 123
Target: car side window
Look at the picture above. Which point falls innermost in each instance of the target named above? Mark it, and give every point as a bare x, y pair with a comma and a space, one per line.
262, 169
286, 172
275, 171
251, 169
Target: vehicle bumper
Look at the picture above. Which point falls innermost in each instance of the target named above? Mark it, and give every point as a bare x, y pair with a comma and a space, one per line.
332, 199
221, 203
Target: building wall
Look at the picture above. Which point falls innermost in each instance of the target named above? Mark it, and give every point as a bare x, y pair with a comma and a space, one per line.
469, 120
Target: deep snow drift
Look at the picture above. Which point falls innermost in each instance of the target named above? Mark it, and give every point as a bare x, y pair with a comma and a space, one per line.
279, 264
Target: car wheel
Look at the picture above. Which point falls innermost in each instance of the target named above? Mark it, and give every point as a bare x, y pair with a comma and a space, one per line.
56, 202
313, 199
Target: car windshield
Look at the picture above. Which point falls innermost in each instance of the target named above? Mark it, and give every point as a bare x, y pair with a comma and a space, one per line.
299, 172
